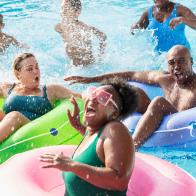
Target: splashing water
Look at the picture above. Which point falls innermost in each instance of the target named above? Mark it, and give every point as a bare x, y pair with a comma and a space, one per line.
32, 22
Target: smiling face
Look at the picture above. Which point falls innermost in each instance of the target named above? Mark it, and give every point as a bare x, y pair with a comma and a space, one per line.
180, 64
97, 113
28, 73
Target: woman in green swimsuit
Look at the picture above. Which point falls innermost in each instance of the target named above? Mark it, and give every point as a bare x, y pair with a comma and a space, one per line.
103, 162
26, 100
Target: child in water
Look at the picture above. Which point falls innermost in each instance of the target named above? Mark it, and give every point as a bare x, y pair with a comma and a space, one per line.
7, 40
77, 35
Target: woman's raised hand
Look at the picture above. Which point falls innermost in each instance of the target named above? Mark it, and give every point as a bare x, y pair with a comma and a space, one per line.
74, 118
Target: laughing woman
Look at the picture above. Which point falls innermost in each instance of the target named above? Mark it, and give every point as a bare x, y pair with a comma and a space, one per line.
26, 100
103, 162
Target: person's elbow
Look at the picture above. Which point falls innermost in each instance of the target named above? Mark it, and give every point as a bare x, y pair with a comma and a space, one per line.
121, 183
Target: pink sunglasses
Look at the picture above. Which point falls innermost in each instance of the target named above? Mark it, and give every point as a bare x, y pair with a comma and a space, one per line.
102, 96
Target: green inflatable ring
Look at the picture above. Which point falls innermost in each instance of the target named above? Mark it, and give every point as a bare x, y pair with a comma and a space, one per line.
52, 128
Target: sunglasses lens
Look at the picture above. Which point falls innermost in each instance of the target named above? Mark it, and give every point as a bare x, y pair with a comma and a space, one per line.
103, 97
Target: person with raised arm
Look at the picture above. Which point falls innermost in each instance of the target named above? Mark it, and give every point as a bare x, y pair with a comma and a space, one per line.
26, 99
78, 36
167, 20
178, 85
103, 162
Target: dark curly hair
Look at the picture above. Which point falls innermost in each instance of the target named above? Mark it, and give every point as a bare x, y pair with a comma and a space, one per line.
127, 94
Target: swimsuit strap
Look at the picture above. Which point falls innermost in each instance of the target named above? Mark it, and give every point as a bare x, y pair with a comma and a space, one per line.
174, 11
100, 132
44, 91
150, 15
10, 90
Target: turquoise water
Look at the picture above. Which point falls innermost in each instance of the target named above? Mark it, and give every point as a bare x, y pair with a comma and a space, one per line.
32, 22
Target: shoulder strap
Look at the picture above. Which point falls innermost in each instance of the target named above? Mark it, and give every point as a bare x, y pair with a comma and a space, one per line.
10, 90
44, 91
100, 132
174, 11
150, 11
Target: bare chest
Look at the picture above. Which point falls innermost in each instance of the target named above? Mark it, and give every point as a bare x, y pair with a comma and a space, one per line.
182, 99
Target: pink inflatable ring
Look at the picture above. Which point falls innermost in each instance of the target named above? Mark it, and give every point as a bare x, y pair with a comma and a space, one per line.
21, 175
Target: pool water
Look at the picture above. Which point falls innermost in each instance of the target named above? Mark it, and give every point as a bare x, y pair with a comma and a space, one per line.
32, 22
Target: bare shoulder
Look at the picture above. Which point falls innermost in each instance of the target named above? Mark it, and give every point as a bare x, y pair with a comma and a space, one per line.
116, 129
181, 7
183, 10
51, 88
145, 13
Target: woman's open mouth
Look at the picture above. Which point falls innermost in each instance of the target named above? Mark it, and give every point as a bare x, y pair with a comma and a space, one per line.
90, 111
36, 79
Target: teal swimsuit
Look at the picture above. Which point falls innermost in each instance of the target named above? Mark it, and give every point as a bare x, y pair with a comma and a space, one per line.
76, 186
31, 107
165, 37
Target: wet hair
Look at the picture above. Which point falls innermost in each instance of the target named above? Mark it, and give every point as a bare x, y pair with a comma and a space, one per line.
16, 66
128, 97
75, 5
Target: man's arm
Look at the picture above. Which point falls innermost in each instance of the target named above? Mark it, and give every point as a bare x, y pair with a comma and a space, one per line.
149, 77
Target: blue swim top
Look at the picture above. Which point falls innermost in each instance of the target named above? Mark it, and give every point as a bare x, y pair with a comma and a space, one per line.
164, 36
31, 107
